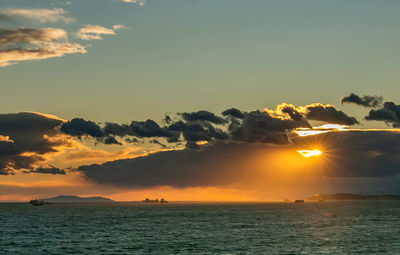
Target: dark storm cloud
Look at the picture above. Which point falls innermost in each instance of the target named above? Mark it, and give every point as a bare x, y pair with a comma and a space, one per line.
328, 113
389, 113
193, 132
295, 115
141, 129
181, 168
192, 145
369, 154
233, 125
150, 128
358, 153
155, 141
4, 172
48, 170
111, 140
254, 126
28, 131
167, 119
233, 112
116, 129
80, 127
26, 138
261, 127
366, 101
203, 116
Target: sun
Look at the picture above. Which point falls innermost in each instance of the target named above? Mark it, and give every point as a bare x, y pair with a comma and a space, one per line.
310, 153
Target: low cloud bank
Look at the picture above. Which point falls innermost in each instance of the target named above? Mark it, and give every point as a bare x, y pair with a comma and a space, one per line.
350, 154
28, 140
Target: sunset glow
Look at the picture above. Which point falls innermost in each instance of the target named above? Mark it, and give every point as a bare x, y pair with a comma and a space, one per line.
320, 129
309, 153
200, 127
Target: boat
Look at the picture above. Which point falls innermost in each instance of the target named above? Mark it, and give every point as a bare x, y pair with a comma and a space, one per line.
299, 201
147, 200
161, 201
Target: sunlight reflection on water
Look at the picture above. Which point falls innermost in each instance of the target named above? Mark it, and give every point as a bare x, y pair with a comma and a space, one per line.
352, 227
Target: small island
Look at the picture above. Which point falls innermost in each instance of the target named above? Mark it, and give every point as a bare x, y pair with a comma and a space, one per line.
351, 196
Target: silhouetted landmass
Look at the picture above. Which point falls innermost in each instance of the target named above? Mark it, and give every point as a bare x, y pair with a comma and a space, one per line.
75, 199
350, 196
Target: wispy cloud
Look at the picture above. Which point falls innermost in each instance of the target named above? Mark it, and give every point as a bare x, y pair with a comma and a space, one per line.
94, 32
40, 15
139, 2
33, 44
119, 27
30, 36
22, 43
51, 50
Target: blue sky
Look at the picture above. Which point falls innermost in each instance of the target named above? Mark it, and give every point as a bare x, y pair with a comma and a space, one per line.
182, 55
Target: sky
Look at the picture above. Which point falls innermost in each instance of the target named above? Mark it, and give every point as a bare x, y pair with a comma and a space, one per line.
198, 99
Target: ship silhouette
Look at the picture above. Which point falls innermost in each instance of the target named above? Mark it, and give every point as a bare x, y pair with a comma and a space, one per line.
36, 202
162, 200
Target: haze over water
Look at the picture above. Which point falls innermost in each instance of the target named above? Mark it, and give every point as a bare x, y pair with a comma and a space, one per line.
342, 227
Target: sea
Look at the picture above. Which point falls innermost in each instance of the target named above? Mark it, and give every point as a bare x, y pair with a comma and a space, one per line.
330, 227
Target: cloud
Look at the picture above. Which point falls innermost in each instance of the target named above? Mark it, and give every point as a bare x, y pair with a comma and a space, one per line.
30, 36
254, 127
119, 27
40, 15
295, 114
23, 145
141, 129
327, 113
369, 153
389, 113
33, 137
202, 116
94, 32
80, 127
12, 56
48, 170
23, 44
366, 101
87, 155
30, 140
263, 127
233, 112
193, 132
111, 140
139, 2
5, 139
180, 168
374, 154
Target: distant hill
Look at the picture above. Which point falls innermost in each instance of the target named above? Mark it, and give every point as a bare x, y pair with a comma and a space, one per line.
75, 199
350, 196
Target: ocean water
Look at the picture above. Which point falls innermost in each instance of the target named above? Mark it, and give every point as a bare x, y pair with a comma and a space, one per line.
342, 227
